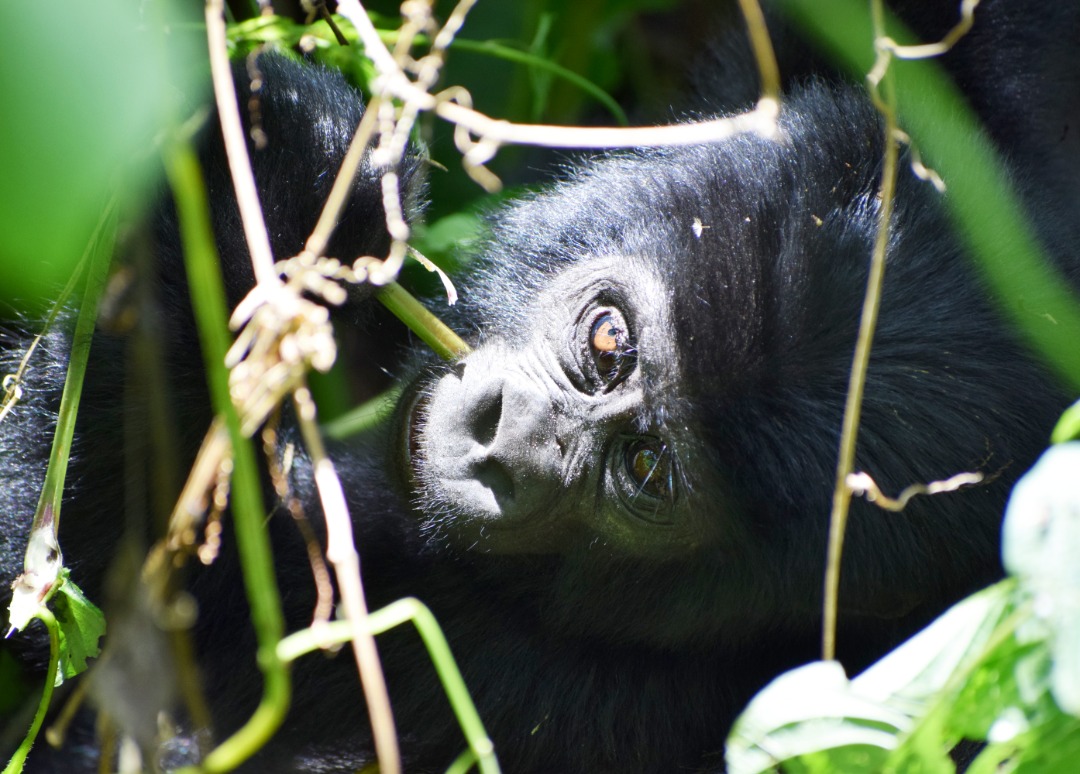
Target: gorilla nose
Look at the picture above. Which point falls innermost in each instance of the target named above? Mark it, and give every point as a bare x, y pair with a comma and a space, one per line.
517, 425
489, 441
483, 419
510, 425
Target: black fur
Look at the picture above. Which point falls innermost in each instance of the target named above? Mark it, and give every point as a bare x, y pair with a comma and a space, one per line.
600, 654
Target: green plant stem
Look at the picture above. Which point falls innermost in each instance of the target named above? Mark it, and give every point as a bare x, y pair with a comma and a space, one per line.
15, 765
52, 491
431, 330
462, 763
409, 609
363, 417
248, 511
861, 360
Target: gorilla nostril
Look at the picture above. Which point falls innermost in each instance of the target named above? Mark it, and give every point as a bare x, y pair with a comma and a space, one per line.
484, 418
495, 477
560, 444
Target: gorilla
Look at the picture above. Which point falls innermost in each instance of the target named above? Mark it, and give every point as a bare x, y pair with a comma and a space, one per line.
617, 504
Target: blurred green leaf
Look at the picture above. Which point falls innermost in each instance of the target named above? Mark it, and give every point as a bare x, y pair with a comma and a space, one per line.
86, 88
1068, 427
1041, 546
882, 720
14, 687
444, 239
807, 710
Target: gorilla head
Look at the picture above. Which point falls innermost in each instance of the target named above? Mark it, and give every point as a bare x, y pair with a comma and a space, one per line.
663, 348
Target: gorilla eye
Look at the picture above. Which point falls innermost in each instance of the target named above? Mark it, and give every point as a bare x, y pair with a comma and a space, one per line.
612, 352
648, 466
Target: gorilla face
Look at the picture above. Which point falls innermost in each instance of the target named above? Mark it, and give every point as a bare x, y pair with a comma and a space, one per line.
558, 433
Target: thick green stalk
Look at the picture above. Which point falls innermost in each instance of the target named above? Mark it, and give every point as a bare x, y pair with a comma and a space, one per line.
248, 511
433, 331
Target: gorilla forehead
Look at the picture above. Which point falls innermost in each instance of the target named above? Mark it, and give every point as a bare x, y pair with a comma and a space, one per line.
739, 234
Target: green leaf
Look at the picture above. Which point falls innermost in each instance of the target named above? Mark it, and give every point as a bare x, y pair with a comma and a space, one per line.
1068, 427
834, 724
807, 710
911, 676
449, 234
82, 625
1007, 692
86, 88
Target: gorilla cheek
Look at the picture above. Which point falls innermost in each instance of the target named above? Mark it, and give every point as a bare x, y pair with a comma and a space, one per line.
488, 445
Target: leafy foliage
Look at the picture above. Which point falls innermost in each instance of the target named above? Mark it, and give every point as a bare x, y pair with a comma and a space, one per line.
999, 667
72, 145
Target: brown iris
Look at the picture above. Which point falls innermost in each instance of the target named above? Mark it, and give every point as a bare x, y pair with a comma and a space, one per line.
611, 349
647, 464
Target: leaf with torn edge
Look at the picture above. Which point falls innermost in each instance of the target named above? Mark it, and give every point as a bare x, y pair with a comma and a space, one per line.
82, 625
